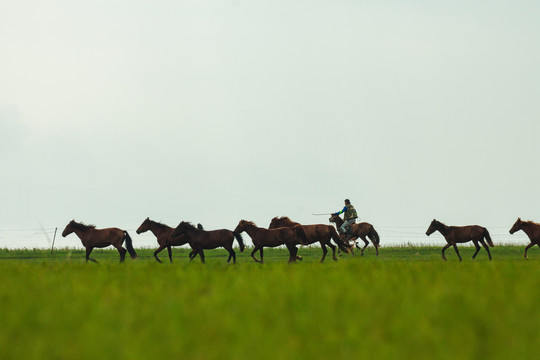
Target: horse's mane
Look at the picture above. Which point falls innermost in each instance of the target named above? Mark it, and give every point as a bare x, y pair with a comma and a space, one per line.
284, 219
82, 226
161, 225
200, 227
185, 225
249, 222
443, 227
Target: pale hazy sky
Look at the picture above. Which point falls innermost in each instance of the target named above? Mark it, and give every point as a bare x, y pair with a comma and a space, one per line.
216, 111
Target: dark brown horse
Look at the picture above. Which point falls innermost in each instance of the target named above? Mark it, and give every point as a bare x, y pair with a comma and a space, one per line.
272, 237
100, 238
461, 234
163, 234
531, 229
201, 239
314, 233
360, 230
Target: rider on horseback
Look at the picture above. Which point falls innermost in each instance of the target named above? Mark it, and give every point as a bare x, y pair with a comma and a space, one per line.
349, 217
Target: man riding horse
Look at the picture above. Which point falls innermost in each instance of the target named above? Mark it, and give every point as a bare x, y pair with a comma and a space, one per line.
349, 217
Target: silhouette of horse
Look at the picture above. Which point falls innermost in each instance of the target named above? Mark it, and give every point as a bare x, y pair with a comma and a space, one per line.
314, 233
201, 239
100, 238
461, 234
360, 230
531, 229
163, 234
272, 237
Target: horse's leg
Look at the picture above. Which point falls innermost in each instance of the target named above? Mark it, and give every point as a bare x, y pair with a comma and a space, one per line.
261, 253
161, 247
324, 251
122, 252
477, 248
88, 251
528, 247
365, 246
444, 248
333, 250
192, 254
376, 247
232, 255
292, 253
374, 244
201, 254
457, 251
169, 250
253, 254
486, 247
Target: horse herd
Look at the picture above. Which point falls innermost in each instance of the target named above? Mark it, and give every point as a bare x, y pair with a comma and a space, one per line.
282, 231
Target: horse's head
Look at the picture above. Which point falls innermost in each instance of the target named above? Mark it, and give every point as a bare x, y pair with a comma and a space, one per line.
274, 223
241, 227
432, 227
145, 226
334, 218
69, 228
183, 228
517, 226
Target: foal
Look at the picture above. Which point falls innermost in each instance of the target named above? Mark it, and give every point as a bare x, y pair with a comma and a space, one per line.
272, 237
461, 234
201, 239
100, 238
531, 229
314, 233
163, 236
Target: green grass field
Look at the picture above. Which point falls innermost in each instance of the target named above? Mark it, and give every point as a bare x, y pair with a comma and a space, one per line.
407, 303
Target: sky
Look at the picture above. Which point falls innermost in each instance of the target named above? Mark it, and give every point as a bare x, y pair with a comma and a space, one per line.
216, 111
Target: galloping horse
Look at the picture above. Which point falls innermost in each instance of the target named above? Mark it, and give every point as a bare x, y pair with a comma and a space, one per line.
461, 234
272, 237
360, 230
314, 233
531, 229
163, 234
201, 239
100, 238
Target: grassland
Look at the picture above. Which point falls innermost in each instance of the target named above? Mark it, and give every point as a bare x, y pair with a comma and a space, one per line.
407, 303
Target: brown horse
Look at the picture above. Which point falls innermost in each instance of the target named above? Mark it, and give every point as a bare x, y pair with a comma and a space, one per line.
272, 237
163, 234
360, 230
461, 234
201, 239
531, 229
314, 233
100, 238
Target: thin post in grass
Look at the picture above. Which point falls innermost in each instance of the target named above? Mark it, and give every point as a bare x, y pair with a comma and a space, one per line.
54, 237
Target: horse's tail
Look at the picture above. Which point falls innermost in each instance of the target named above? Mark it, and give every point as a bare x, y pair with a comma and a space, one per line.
374, 236
129, 245
240, 240
338, 241
488, 238
300, 233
